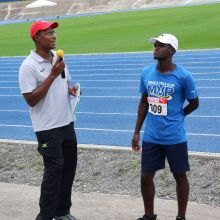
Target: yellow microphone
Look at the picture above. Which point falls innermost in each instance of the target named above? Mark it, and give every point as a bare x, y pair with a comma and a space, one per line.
60, 55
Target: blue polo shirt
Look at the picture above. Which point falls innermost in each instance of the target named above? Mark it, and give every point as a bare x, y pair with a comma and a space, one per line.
167, 94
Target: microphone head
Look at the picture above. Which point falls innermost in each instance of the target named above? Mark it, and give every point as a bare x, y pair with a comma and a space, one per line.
59, 53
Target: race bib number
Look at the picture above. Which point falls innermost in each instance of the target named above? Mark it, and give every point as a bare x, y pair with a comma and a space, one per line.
157, 106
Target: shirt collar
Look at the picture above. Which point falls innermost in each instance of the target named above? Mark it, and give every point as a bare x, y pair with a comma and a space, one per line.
38, 58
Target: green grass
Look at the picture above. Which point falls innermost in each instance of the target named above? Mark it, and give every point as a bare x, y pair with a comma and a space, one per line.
195, 27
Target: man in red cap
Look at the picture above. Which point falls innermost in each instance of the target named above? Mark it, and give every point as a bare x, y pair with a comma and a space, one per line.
48, 95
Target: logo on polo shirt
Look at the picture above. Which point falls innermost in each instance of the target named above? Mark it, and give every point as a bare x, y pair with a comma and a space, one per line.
42, 69
45, 145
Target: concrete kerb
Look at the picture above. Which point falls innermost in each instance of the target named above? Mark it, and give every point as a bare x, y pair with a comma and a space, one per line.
194, 154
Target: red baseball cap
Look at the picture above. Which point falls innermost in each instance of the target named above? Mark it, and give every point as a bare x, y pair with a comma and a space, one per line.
41, 25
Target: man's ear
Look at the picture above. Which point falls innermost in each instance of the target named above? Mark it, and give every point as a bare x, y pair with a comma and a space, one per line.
36, 37
172, 51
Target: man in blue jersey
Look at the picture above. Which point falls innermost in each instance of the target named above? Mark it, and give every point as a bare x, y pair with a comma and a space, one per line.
165, 87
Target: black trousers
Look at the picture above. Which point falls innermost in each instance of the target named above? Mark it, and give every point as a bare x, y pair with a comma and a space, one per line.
58, 147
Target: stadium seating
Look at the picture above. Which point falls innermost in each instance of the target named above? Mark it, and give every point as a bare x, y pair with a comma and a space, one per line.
16, 10
9, 0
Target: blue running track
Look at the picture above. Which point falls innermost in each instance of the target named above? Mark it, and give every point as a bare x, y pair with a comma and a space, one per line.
108, 107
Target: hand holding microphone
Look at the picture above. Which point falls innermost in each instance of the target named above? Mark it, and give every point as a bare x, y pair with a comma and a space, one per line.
60, 55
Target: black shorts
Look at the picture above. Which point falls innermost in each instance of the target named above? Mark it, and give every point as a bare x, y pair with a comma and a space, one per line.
154, 155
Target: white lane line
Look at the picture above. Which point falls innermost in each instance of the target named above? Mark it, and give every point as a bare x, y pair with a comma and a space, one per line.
134, 114
9, 87
209, 73
86, 75
111, 113
131, 97
10, 95
113, 88
209, 135
203, 116
138, 72
208, 87
207, 79
19, 126
106, 74
119, 63
89, 113
108, 62
138, 97
130, 80
143, 62
111, 130
148, 55
132, 62
8, 71
118, 97
190, 67
9, 81
135, 87
92, 80
113, 80
85, 70
11, 110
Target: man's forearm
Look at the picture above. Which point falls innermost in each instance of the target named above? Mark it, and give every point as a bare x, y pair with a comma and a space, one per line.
35, 96
192, 106
142, 112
